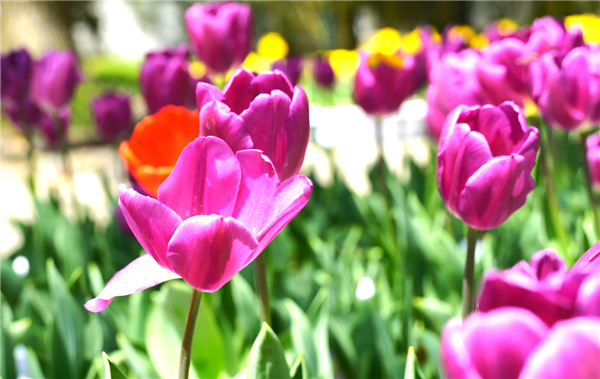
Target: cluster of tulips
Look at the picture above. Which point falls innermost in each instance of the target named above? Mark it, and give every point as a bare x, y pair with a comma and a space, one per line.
216, 164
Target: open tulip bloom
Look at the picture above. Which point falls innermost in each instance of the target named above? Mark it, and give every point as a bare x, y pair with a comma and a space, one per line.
215, 214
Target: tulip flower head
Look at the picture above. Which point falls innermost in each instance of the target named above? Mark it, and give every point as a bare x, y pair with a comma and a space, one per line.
515, 343
221, 33
16, 70
215, 214
593, 158
54, 128
258, 112
55, 77
323, 72
156, 143
485, 159
112, 113
291, 67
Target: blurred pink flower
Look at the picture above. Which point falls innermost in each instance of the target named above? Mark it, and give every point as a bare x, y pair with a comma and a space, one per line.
593, 158
55, 77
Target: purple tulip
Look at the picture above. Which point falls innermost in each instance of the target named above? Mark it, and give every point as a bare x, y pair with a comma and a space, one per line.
568, 95
323, 72
589, 262
382, 83
588, 297
55, 77
16, 70
291, 67
485, 159
55, 127
258, 112
546, 35
453, 81
165, 79
221, 33
593, 158
215, 213
112, 113
514, 343
25, 114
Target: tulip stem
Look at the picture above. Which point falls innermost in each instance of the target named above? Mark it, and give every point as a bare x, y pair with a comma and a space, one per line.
188, 334
588, 184
263, 289
380, 157
468, 281
30, 163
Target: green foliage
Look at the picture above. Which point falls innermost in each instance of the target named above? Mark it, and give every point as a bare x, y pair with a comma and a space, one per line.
267, 358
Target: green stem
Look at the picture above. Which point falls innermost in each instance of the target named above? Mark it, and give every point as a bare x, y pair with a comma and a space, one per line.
30, 163
468, 281
188, 335
263, 289
380, 158
588, 184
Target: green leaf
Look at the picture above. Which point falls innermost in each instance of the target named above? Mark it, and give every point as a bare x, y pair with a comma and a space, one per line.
69, 246
409, 370
164, 334
267, 358
302, 336
138, 362
248, 315
299, 370
93, 338
111, 370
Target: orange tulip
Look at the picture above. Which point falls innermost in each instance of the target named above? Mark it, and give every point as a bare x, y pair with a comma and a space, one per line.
156, 144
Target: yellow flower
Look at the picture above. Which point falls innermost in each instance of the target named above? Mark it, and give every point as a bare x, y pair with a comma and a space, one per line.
411, 42
256, 63
393, 60
197, 69
344, 62
272, 46
461, 32
507, 26
530, 109
386, 41
479, 42
588, 23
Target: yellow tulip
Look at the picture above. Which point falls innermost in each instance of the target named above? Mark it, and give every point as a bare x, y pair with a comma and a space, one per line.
588, 23
272, 46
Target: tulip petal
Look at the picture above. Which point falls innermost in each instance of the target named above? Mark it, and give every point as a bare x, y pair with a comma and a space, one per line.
205, 180
152, 223
588, 297
271, 81
140, 274
237, 92
570, 350
216, 119
205, 93
455, 356
207, 251
495, 191
589, 261
297, 130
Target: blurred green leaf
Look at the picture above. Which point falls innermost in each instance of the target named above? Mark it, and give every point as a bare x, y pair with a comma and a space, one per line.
302, 337
267, 359
111, 370
138, 362
299, 370
409, 370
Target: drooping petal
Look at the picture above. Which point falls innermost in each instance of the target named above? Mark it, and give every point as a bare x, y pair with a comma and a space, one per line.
207, 251
297, 131
152, 223
216, 119
570, 350
140, 274
205, 180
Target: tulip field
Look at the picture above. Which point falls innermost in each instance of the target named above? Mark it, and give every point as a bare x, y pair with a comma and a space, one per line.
226, 257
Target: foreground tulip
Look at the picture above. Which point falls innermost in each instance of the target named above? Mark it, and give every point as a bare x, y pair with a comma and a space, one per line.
156, 143
323, 72
383, 82
16, 70
55, 77
258, 112
112, 113
214, 215
485, 159
165, 79
514, 343
221, 33
568, 95
291, 67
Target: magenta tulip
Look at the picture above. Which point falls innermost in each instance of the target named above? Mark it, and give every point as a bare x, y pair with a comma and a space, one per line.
258, 112
55, 129
485, 159
16, 70
291, 67
382, 83
215, 214
593, 158
221, 33
55, 77
514, 343
568, 95
323, 72
165, 79
112, 113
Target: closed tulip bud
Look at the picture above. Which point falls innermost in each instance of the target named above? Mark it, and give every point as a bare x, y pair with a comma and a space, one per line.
568, 95
165, 79
55, 126
25, 114
112, 113
485, 159
16, 70
291, 67
593, 158
514, 343
261, 112
383, 82
55, 77
323, 72
221, 33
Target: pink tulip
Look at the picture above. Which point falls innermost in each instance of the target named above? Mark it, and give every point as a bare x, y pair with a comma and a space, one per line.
215, 214
514, 343
568, 95
54, 79
258, 112
593, 158
221, 33
485, 159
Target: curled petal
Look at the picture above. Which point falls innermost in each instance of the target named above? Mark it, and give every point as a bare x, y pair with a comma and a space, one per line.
205, 93
216, 119
297, 131
237, 94
207, 251
140, 274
